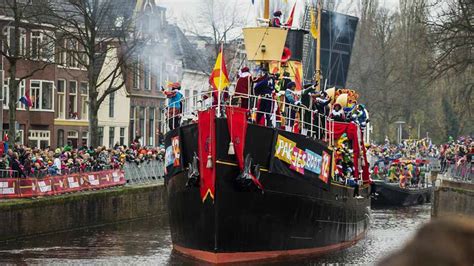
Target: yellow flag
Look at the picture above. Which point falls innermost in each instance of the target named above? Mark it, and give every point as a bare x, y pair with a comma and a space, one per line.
313, 29
219, 78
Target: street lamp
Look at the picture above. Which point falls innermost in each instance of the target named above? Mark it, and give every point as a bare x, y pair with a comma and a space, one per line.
400, 130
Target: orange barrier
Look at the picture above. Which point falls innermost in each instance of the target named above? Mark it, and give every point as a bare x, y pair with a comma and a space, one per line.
56, 185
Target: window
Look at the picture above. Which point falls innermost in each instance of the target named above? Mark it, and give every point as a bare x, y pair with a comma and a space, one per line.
35, 91
84, 100
146, 74
47, 95
21, 93
72, 134
6, 93
111, 104
41, 46
62, 53
101, 135
122, 136
72, 138
159, 75
48, 47
38, 138
9, 32
41, 94
73, 100
61, 100
136, 73
141, 124
111, 136
60, 138
151, 127
35, 45
132, 122
6, 83
72, 53
85, 137
83, 59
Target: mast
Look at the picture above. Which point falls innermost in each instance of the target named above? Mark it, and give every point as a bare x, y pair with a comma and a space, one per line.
266, 9
318, 49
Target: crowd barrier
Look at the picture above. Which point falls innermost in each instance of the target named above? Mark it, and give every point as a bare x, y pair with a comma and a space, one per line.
146, 172
56, 185
462, 172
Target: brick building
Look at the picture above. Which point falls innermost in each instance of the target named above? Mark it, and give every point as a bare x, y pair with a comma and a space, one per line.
59, 92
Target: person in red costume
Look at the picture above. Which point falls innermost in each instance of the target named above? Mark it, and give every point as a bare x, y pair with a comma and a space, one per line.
244, 87
275, 21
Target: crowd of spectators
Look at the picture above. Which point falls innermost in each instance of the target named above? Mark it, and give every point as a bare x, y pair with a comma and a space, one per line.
456, 152
389, 160
22, 161
406, 162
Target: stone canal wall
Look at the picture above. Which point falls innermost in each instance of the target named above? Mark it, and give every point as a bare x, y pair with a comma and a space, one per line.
453, 198
28, 217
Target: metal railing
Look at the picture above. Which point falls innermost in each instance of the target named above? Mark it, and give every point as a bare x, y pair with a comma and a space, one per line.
460, 171
147, 172
310, 122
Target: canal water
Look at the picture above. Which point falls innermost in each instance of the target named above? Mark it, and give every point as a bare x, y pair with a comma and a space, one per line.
148, 241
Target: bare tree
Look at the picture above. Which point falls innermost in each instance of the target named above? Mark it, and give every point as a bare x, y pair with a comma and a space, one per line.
219, 21
24, 14
99, 29
452, 28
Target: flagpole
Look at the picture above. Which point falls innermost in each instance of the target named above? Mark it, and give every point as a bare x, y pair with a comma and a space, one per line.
220, 82
318, 49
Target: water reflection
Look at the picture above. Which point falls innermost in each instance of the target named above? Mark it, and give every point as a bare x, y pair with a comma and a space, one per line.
148, 241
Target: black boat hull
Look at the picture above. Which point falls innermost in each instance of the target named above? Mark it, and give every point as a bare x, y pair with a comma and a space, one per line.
390, 194
292, 217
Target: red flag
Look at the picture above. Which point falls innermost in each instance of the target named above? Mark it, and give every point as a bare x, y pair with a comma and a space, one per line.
206, 148
289, 22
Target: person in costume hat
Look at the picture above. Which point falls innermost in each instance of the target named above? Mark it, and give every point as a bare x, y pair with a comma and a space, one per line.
359, 115
337, 113
291, 97
275, 21
243, 87
174, 104
263, 88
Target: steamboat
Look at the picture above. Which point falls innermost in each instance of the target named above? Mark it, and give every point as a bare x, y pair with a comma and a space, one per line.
242, 191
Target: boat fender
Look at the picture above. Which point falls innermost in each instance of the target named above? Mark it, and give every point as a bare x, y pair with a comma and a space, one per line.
193, 173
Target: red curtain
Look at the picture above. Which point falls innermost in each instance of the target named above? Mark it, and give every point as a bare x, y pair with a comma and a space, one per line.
206, 148
351, 131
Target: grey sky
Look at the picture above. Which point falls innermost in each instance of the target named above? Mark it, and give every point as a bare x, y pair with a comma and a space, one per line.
179, 8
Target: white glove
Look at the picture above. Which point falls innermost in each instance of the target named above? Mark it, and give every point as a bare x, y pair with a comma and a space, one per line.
281, 93
297, 103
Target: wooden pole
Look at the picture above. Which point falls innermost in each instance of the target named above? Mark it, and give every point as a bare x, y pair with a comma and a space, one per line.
266, 9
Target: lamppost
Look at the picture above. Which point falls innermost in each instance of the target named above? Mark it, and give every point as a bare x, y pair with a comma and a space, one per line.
400, 130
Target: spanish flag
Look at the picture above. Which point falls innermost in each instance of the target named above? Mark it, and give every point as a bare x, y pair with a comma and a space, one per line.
219, 78
314, 20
